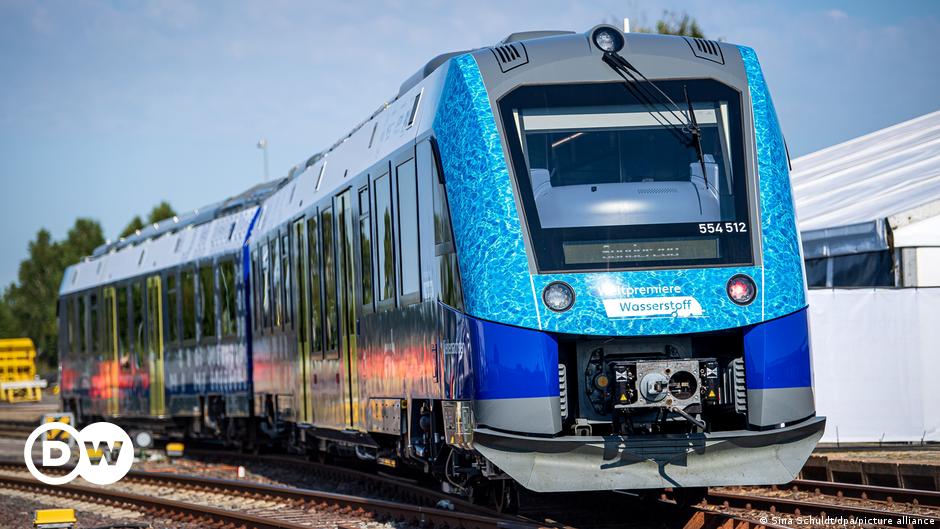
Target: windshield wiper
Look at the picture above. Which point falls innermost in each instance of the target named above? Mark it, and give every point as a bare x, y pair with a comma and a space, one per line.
689, 134
696, 135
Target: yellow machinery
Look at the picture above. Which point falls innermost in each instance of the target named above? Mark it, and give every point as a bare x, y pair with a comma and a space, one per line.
18, 381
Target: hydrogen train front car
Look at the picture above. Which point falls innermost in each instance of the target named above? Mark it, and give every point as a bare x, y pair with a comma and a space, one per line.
568, 261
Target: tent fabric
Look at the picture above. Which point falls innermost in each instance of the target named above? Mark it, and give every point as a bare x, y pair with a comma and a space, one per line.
875, 363
876, 176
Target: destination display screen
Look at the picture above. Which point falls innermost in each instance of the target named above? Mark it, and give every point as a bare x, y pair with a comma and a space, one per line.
599, 252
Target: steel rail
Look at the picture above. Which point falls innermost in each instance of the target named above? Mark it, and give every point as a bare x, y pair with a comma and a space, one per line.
889, 495
817, 508
392, 510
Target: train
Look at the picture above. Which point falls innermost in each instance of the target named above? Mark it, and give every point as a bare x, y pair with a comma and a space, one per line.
566, 262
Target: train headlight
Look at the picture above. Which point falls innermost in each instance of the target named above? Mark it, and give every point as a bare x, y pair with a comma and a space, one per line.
558, 296
741, 289
607, 39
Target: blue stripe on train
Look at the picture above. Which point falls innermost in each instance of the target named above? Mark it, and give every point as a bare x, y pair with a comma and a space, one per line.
776, 353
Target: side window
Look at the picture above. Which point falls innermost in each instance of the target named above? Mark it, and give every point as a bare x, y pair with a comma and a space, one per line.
446, 274
410, 272
255, 290
81, 324
207, 302
285, 278
122, 329
94, 330
365, 247
137, 321
385, 257
265, 293
331, 331
172, 310
188, 284
276, 301
316, 313
227, 308
70, 315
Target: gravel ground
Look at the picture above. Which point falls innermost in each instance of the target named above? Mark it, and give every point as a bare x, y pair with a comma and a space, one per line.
17, 510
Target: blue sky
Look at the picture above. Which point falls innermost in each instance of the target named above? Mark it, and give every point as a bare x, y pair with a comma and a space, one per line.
107, 108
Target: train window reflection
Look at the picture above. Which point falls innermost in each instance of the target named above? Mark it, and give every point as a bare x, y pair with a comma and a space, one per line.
383, 235
316, 314
365, 246
227, 307
188, 283
172, 308
207, 301
408, 229
331, 331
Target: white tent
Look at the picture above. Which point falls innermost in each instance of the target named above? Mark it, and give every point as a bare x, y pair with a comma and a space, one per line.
876, 193
869, 212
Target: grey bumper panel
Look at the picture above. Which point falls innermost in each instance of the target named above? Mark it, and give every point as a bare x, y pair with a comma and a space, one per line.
614, 462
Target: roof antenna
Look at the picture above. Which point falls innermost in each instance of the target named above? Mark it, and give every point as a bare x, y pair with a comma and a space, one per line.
626, 25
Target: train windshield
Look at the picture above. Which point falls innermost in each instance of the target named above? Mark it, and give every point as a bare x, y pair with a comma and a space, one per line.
611, 182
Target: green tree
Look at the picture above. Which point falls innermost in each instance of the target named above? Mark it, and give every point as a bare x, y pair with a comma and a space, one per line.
161, 211
132, 226
28, 307
32, 301
81, 240
673, 23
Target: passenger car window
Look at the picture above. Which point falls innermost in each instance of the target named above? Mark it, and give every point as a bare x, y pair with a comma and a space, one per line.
410, 272
227, 299
172, 309
365, 246
316, 314
188, 284
385, 258
331, 331
137, 321
81, 324
207, 301
123, 350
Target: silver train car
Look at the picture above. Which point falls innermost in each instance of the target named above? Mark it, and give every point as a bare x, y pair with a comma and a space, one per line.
568, 262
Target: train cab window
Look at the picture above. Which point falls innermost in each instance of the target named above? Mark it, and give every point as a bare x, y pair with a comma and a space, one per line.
93, 323
137, 322
316, 313
121, 318
410, 272
206, 302
171, 309
188, 287
385, 257
286, 294
331, 330
81, 325
365, 248
227, 308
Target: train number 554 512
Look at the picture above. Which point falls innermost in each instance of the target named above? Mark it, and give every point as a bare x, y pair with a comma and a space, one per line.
722, 227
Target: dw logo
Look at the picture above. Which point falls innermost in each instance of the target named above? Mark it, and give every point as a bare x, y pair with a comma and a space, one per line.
104, 436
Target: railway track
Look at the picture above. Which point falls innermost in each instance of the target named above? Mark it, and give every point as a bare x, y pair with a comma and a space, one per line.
882, 506
210, 501
416, 503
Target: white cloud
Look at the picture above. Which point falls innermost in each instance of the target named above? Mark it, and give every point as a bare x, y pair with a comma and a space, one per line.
837, 14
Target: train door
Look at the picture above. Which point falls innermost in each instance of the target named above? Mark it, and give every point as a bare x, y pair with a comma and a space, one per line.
155, 345
301, 320
347, 306
110, 347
